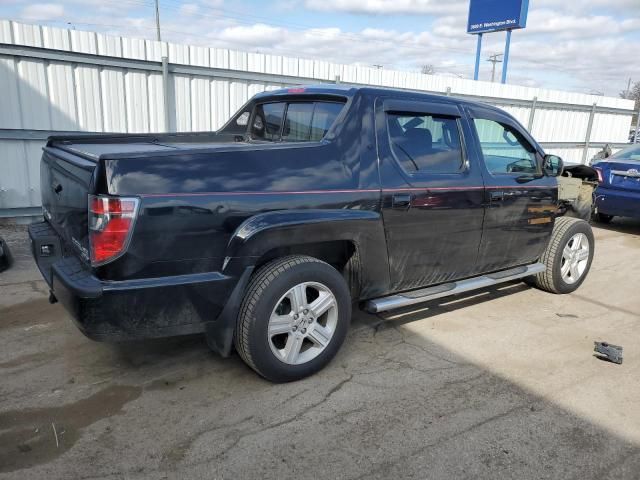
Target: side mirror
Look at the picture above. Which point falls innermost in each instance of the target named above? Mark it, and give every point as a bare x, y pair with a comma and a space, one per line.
553, 165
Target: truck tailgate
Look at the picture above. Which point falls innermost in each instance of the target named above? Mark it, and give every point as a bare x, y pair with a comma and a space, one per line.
66, 180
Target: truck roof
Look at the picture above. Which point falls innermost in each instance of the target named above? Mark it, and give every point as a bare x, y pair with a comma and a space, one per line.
345, 90
92, 146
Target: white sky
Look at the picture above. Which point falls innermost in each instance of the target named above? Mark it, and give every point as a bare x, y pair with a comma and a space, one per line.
580, 45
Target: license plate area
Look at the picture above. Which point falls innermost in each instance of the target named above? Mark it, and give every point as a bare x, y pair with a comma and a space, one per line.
46, 249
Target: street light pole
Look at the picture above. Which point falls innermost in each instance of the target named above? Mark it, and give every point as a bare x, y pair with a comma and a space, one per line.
476, 71
506, 57
158, 21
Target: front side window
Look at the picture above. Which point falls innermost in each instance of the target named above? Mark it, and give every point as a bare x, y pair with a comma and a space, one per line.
505, 150
294, 121
425, 143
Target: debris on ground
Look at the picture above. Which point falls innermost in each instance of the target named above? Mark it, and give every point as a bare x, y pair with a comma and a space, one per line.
606, 351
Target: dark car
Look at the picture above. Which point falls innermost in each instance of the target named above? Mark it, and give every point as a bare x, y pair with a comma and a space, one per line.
6, 259
308, 201
618, 192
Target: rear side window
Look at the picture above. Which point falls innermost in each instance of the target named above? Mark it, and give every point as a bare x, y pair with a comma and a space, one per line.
294, 121
426, 143
504, 149
267, 121
297, 125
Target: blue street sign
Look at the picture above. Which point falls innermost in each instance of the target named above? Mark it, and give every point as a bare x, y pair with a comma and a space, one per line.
495, 15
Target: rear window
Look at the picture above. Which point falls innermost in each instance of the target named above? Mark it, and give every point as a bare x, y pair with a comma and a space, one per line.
293, 121
631, 153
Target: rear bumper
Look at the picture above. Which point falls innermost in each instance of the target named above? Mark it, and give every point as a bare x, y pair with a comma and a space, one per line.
130, 309
623, 203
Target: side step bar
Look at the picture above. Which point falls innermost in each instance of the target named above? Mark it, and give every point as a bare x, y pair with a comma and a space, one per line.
431, 293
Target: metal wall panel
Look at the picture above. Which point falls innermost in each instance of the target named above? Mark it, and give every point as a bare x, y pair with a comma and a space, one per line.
56, 38
155, 50
10, 113
89, 98
238, 95
110, 46
62, 97
237, 60
182, 115
113, 100
156, 103
134, 48
33, 94
200, 104
24, 34
219, 57
560, 126
84, 42
14, 181
199, 56
6, 36
220, 105
33, 152
136, 92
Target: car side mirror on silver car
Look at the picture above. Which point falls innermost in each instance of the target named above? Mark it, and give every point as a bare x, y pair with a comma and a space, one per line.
553, 165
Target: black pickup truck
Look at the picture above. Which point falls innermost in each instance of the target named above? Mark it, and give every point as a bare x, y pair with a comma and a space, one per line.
309, 200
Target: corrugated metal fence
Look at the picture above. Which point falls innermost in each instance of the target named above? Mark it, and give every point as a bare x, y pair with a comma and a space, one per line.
55, 80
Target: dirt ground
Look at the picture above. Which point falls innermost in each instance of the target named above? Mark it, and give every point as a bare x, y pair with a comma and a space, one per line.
501, 383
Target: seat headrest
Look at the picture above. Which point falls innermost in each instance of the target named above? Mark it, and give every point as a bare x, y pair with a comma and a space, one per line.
422, 136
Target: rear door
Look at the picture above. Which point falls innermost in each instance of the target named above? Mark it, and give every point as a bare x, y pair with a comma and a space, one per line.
521, 201
433, 195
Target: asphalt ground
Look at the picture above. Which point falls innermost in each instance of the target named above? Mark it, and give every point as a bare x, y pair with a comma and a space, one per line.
500, 383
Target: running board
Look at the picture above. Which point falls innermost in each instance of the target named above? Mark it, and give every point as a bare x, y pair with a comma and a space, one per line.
431, 293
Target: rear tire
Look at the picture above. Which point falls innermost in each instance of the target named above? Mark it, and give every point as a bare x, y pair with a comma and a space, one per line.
294, 317
567, 258
603, 218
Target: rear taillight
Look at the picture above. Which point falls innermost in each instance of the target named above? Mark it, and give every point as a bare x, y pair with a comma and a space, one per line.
111, 222
600, 176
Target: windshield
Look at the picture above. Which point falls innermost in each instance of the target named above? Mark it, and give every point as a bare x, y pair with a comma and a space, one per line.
631, 153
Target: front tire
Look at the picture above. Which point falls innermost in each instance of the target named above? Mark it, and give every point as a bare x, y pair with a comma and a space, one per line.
568, 256
294, 317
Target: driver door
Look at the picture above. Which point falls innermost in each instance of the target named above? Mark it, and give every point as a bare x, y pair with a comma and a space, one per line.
521, 201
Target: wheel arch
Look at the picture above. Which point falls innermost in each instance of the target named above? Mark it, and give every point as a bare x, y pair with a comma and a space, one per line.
352, 241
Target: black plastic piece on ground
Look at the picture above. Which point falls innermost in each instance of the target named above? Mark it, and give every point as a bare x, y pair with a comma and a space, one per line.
6, 260
606, 351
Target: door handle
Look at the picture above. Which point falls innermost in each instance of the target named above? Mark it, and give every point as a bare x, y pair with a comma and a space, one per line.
401, 201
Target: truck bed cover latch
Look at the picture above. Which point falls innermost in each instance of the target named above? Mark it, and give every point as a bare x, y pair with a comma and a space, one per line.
606, 351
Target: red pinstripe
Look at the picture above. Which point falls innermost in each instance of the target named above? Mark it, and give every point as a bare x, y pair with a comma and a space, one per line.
319, 192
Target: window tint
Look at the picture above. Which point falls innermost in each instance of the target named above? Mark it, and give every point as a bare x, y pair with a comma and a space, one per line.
304, 122
426, 143
504, 149
298, 123
267, 121
324, 114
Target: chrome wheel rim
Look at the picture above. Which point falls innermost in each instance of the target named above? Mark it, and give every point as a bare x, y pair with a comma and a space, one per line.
302, 323
575, 257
